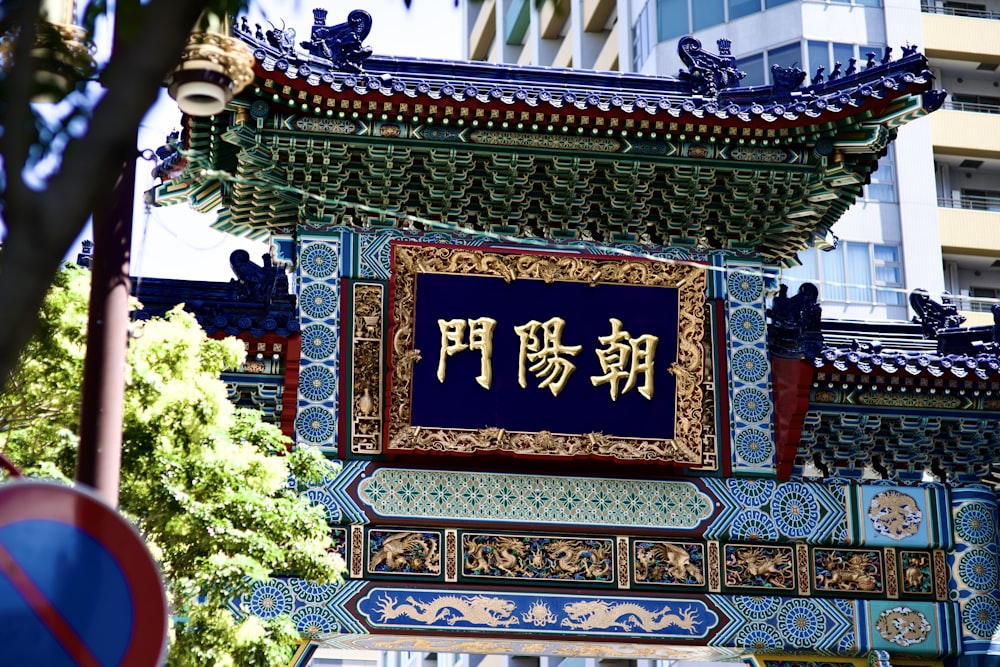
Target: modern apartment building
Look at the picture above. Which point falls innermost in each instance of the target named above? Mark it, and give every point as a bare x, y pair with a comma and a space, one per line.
929, 219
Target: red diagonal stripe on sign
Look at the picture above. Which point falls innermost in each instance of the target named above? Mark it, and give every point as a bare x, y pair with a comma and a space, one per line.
50, 616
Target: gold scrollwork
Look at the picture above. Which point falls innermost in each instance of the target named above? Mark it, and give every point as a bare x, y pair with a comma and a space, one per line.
688, 444
366, 368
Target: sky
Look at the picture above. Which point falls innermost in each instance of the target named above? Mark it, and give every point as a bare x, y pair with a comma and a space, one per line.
177, 241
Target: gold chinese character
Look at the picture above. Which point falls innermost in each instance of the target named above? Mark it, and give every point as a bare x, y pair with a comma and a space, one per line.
625, 357
480, 338
545, 354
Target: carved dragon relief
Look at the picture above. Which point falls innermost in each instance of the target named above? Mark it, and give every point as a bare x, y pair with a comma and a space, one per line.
404, 552
687, 445
848, 570
494, 611
669, 563
538, 558
759, 567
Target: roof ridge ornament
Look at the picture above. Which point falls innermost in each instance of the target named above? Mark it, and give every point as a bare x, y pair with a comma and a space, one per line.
342, 44
708, 73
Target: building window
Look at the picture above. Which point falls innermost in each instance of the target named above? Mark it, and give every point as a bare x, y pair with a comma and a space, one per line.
754, 67
706, 13
883, 180
758, 65
828, 54
643, 35
853, 272
740, 8
671, 19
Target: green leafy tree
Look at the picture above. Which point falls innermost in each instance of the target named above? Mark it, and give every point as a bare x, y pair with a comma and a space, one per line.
206, 485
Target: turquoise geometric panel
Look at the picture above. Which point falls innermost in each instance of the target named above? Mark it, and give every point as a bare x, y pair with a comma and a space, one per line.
762, 509
763, 623
510, 498
753, 449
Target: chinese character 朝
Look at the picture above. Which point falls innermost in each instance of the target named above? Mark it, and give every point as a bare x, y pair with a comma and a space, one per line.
623, 359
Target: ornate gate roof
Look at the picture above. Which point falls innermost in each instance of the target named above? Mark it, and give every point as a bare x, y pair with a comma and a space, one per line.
539, 152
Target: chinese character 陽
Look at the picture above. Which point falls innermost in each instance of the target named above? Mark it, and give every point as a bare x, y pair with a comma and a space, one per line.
624, 357
545, 354
480, 338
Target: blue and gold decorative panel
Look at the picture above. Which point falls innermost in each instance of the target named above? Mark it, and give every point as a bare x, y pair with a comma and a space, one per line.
753, 449
487, 344
895, 516
532, 499
319, 312
492, 611
915, 627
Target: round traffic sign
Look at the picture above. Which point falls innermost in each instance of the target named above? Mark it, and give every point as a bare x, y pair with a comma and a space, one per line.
78, 588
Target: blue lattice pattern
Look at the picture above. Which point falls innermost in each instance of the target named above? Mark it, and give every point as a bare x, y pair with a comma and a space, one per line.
315, 609
766, 510
319, 269
750, 370
975, 566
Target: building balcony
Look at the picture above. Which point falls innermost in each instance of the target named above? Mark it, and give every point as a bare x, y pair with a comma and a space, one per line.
969, 231
596, 13
483, 30
968, 133
961, 34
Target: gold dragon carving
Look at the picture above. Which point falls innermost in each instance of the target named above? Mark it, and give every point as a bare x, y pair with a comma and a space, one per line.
663, 561
687, 446
848, 571
407, 552
512, 556
757, 566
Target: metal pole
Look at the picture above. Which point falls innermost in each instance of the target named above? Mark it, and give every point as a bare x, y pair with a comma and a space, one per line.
98, 463
99, 458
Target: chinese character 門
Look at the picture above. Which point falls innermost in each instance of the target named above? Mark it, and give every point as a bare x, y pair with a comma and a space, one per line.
480, 339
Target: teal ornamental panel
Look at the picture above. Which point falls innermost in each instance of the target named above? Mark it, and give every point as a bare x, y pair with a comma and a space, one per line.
974, 581
319, 274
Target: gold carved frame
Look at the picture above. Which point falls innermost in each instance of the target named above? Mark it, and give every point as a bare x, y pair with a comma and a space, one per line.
690, 280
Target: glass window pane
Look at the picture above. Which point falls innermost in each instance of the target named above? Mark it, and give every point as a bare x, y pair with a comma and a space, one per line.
889, 297
754, 67
805, 272
842, 53
833, 274
786, 56
886, 253
819, 56
774, 3
671, 19
869, 3
859, 272
741, 8
881, 192
706, 13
